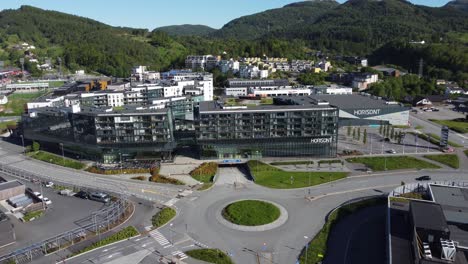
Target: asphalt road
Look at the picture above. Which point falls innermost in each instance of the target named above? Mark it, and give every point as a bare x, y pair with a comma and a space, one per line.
430, 127
196, 223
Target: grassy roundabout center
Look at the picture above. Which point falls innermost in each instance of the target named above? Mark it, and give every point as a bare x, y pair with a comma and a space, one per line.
251, 213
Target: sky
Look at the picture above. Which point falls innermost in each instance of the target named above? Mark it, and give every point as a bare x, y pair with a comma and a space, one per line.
155, 13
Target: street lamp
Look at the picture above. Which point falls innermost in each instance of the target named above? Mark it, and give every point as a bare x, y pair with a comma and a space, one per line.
307, 248
22, 140
63, 154
172, 238
121, 165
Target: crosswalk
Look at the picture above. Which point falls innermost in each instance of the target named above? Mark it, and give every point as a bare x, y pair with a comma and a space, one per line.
160, 238
181, 255
171, 202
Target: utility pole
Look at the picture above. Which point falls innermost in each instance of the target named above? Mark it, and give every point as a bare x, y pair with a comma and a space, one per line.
22, 67
22, 140
63, 154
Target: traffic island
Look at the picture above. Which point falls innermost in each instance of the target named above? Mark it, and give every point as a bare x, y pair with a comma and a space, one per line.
252, 215
210, 255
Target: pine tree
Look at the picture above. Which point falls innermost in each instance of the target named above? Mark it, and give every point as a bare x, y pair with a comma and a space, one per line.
349, 131
381, 128
359, 134
392, 134
354, 133
364, 137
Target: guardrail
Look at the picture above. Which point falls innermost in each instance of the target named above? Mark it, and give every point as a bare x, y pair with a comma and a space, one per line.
91, 226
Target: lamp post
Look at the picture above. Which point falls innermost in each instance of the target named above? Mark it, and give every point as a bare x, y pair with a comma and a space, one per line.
22, 140
121, 165
63, 153
172, 238
307, 248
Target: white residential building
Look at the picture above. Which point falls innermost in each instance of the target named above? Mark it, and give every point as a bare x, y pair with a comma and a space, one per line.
203, 62
236, 91
362, 81
249, 71
229, 65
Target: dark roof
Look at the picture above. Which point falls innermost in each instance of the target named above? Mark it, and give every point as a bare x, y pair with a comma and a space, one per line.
454, 202
306, 104
356, 101
433, 98
9, 185
428, 215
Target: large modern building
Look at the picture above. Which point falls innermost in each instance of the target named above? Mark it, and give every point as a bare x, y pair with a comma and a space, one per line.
364, 109
287, 128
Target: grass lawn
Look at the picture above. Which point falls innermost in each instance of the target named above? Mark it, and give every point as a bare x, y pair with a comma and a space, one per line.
304, 162
273, 177
16, 102
451, 143
58, 160
36, 214
210, 255
318, 245
123, 234
163, 216
393, 163
459, 126
56, 84
466, 152
251, 213
450, 160
4, 125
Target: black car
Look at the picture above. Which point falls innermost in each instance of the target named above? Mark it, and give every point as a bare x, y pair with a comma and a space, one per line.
424, 178
82, 195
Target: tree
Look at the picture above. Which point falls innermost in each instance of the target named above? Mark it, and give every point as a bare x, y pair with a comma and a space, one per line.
359, 134
381, 128
349, 131
36, 146
364, 137
354, 133
392, 134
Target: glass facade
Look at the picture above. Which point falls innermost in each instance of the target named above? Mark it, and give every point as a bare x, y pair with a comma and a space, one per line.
271, 133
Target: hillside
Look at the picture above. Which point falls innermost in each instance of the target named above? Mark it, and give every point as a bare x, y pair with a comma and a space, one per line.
360, 26
275, 20
85, 42
458, 4
187, 30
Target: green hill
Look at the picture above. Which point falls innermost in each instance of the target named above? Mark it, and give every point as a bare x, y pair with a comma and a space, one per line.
458, 4
275, 20
186, 30
85, 42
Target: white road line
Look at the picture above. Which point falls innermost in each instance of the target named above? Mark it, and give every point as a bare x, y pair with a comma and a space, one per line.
159, 237
179, 254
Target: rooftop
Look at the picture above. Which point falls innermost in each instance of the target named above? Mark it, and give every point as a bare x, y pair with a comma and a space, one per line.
454, 202
280, 104
9, 184
355, 101
428, 215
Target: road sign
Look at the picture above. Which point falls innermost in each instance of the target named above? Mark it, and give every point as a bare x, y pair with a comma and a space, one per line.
444, 136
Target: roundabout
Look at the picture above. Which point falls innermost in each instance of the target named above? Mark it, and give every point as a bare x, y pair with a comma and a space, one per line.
252, 215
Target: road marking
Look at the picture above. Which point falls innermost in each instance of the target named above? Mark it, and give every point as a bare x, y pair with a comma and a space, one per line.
171, 202
107, 249
159, 237
110, 256
179, 254
351, 191
189, 246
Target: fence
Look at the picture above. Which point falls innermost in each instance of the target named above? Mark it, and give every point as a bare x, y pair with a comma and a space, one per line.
91, 226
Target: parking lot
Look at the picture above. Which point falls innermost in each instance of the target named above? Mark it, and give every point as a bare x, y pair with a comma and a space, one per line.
444, 113
65, 213
377, 145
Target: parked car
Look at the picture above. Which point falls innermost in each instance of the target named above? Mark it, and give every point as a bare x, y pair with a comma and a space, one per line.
49, 184
38, 195
82, 195
391, 151
67, 192
99, 197
424, 178
47, 201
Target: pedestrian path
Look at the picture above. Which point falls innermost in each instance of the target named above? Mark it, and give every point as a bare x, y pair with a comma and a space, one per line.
181, 255
160, 238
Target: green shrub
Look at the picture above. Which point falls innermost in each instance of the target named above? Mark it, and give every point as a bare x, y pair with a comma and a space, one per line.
205, 172
97, 170
123, 234
215, 256
163, 216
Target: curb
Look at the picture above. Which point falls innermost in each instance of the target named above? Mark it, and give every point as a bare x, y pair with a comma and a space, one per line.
275, 224
67, 259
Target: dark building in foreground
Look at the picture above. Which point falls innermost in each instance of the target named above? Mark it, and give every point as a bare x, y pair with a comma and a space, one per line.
295, 126
104, 134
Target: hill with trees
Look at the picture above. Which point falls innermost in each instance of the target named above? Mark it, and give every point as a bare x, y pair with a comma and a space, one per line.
458, 4
186, 30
